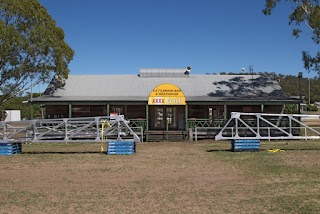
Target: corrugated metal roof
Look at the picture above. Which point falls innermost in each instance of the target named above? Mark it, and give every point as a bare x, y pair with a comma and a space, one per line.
163, 72
195, 87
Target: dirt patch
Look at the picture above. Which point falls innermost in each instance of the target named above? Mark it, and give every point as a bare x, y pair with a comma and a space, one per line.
159, 178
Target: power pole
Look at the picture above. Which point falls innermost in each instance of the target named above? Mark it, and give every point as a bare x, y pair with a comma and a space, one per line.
299, 77
309, 93
31, 97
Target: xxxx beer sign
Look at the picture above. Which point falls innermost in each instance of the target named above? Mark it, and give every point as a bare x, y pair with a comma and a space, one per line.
166, 94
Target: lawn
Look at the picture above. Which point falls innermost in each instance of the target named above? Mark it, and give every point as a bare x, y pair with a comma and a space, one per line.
203, 177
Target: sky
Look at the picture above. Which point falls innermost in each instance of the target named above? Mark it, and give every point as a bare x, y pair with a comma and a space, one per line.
210, 36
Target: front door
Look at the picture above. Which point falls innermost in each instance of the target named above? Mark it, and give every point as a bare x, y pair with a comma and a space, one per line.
164, 117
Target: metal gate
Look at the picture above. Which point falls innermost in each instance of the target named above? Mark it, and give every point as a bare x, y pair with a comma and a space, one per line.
268, 126
84, 129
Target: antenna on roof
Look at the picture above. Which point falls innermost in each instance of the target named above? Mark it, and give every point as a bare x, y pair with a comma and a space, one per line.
251, 71
251, 68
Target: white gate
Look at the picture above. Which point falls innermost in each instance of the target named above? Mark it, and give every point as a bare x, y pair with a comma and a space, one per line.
268, 126
83, 129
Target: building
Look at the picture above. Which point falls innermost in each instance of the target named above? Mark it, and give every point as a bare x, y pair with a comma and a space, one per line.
171, 100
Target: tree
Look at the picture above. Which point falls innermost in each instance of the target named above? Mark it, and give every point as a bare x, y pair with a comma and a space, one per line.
16, 103
32, 48
305, 12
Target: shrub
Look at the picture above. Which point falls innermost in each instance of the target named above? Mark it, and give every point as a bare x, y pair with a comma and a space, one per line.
312, 108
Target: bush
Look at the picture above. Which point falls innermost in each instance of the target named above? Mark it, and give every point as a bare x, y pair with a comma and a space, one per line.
312, 108
291, 109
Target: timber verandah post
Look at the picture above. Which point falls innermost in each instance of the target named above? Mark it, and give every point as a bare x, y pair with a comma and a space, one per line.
70, 110
108, 110
147, 122
147, 117
186, 118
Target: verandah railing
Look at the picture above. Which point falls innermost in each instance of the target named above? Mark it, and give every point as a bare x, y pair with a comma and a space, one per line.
137, 123
193, 123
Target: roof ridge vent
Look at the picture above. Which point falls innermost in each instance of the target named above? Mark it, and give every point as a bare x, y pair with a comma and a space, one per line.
165, 72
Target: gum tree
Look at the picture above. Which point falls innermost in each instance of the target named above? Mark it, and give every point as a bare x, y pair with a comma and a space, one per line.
32, 47
305, 16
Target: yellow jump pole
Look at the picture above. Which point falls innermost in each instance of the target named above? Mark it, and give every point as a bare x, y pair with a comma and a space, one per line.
103, 137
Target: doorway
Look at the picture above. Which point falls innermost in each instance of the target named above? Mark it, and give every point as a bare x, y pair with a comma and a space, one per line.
167, 117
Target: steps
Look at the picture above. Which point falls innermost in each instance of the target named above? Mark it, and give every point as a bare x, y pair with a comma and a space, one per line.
159, 136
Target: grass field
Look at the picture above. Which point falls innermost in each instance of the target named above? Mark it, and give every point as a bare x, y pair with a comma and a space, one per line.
203, 177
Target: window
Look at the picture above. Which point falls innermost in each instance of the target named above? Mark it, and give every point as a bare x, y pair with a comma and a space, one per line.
82, 109
116, 110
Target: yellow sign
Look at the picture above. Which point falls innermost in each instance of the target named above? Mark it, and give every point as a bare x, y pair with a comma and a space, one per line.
166, 94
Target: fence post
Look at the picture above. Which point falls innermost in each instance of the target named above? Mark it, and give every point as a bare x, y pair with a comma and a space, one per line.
141, 131
305, 133
190, 135
196, 133
34, 129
